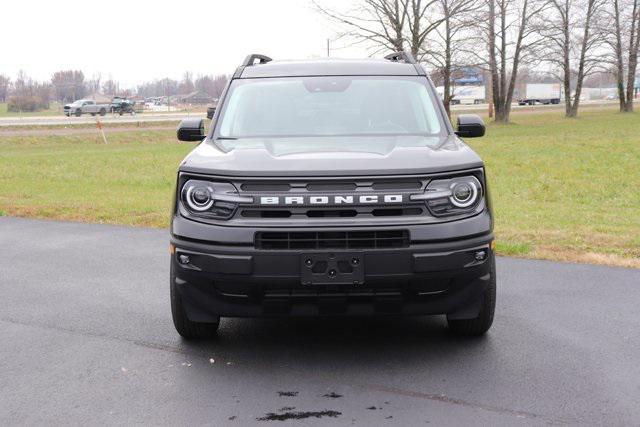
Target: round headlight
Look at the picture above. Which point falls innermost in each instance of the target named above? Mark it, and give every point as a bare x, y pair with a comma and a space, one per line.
464, 194
199, 198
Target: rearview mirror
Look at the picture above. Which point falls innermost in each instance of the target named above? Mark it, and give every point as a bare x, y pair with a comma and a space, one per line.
470, 126
191, 130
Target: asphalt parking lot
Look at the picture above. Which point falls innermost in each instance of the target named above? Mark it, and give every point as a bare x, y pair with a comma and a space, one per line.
87, 338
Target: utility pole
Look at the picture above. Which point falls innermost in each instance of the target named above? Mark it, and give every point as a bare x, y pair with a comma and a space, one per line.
328, 54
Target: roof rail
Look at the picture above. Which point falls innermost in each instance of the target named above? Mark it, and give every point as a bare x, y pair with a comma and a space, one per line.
401, 56
251, 59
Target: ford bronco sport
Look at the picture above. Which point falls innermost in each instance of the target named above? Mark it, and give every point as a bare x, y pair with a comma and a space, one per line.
331, 188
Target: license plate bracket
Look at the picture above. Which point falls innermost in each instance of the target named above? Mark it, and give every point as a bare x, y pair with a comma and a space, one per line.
332, 268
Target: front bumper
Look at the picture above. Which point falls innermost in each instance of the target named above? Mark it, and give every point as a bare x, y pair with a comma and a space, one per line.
241, 281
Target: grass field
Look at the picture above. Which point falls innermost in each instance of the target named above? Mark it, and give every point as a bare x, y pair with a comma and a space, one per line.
565, 188
562, 189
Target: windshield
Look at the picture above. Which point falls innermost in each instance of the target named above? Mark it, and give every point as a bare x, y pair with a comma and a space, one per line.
329, 106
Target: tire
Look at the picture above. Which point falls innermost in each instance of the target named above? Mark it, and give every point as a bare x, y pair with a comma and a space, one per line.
93, 114
481, 324
78, 112
186, 328
103, 112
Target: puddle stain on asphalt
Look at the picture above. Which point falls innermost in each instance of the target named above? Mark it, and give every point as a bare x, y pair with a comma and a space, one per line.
332, 395
300, 415
287, 393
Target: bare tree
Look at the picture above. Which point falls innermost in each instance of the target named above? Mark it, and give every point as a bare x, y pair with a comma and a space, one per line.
111, 87
509, 32
93, 85
28, 94
68, 85
213, 86
387, 25
186, 86
5, 83
163, 87
573, 39
626, 17
444, 49
423, 20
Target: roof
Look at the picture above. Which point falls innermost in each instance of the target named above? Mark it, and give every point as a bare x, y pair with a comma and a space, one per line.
98, 97
196, 94
330, 67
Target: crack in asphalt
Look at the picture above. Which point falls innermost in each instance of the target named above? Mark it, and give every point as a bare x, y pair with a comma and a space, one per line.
385, 389
140, 343
446, 399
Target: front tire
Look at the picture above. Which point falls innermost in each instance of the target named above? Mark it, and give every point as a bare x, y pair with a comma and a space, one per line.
78, 113
186, 328
481, 324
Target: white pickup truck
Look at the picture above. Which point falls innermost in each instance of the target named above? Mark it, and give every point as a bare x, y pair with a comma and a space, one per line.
85, 106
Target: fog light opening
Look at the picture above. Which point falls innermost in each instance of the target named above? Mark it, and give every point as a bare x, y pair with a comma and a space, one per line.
480, 255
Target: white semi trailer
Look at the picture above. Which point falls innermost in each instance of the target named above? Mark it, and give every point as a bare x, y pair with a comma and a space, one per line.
541, 93
465, 95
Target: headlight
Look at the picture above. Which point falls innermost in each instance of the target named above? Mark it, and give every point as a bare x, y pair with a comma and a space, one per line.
215, 200
453, 196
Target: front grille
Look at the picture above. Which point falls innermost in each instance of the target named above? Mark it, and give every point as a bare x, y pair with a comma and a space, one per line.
332, 240
305, 188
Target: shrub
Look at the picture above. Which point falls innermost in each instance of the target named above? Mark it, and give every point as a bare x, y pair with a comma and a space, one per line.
26, 103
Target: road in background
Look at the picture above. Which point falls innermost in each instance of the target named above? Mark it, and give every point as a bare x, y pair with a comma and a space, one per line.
88, 119
175, 116
87, 338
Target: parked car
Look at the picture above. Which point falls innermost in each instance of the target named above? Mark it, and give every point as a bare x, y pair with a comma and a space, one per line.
343, 190
85, 106
122, 105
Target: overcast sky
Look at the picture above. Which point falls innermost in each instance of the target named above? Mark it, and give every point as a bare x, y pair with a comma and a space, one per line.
140, 40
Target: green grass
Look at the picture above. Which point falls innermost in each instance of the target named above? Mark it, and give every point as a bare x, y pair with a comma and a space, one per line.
505, 247
566, 187
78, 177
561, 189
55, 109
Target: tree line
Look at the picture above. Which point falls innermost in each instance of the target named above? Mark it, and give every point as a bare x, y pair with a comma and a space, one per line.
26, 94
572, 39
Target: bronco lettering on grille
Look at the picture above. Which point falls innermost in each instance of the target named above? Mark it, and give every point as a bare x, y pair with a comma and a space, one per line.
367, 199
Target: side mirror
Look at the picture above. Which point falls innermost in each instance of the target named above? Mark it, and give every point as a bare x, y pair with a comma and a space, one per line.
191, 130
470, 126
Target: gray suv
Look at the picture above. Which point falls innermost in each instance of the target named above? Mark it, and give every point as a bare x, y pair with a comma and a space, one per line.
331, 188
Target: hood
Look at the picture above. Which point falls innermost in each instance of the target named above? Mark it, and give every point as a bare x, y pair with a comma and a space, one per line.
331, 156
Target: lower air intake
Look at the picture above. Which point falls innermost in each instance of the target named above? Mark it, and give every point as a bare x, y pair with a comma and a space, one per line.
332, 240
